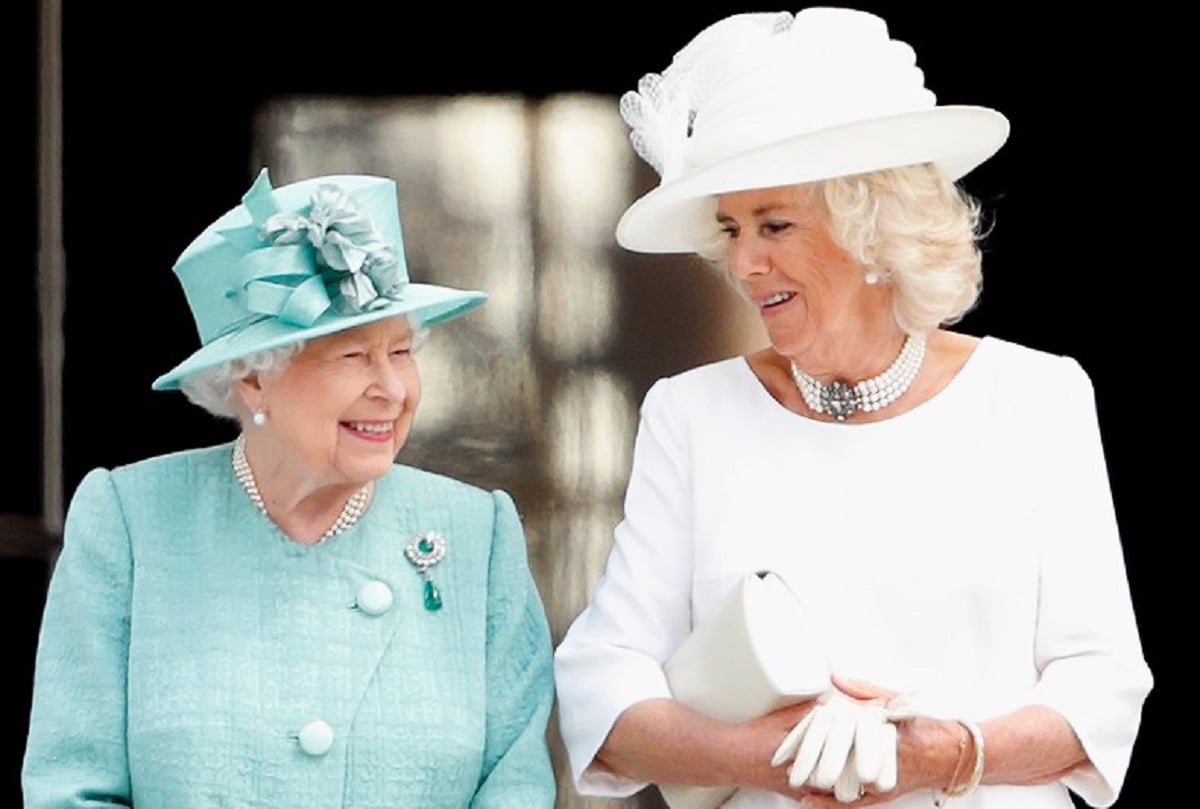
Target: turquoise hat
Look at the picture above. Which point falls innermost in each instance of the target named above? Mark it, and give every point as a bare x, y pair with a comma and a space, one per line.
301, 261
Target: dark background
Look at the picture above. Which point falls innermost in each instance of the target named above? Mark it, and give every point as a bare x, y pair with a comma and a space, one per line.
158, 105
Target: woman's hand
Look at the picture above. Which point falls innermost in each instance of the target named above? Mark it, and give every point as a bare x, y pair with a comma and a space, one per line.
926, 755
863, 691
762, 736
860, 747
844, 745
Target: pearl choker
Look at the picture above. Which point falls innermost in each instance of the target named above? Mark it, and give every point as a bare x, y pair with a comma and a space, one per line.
842, 400
351, 512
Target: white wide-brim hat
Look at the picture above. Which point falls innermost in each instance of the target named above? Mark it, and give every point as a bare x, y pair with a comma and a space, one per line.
767, 100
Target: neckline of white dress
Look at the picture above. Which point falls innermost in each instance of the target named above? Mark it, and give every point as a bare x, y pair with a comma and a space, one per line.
948, 393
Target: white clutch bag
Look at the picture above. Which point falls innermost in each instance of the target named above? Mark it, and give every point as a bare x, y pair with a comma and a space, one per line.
758, 651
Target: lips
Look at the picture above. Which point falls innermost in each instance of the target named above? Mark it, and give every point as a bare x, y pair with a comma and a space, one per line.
773, 300
372, 430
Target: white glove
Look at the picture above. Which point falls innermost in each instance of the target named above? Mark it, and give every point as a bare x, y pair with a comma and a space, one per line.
841, 745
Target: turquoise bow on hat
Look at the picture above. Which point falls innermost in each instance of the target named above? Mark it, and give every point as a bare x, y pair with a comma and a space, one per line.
299, 265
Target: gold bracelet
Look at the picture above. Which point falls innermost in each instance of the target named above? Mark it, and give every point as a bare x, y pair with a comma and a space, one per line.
952, 791
939, 797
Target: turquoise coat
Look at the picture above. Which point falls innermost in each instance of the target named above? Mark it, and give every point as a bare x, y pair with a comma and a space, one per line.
186, 643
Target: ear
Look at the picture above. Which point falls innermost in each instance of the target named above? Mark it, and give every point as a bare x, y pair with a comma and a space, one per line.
249, 389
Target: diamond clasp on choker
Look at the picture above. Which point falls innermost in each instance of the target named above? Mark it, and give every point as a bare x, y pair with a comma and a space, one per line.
842, 400
424, 551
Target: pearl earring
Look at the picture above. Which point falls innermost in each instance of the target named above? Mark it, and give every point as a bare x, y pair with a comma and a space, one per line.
259, 418
871, 277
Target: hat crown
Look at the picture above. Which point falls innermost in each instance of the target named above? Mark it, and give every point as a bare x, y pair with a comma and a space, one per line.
329, 244
830, 67
754, 79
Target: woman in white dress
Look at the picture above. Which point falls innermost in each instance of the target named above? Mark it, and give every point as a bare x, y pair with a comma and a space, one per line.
939, 501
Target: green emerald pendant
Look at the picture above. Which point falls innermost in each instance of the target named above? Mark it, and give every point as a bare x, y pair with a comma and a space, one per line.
433, 599
424, 551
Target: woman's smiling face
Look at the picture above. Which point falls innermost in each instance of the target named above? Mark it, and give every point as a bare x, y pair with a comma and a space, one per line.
781, 256
343, 406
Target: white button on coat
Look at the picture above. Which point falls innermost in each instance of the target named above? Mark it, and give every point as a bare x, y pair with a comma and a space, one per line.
374, 598
316, 738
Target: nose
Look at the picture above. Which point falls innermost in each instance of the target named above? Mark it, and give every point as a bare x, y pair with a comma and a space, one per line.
747, 257
387, 381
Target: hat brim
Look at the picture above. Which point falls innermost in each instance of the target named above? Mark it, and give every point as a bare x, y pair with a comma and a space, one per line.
432, 304
678, 215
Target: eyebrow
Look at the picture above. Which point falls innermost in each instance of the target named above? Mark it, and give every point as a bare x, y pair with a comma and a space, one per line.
760, 211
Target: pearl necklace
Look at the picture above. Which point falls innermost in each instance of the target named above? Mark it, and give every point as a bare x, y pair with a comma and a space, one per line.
842, 400
351, 512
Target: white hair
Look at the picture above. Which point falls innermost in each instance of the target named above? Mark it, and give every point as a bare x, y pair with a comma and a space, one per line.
212, 388
919, 231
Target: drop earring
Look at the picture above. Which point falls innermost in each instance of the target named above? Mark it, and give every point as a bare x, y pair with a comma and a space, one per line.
871, 277
259, 418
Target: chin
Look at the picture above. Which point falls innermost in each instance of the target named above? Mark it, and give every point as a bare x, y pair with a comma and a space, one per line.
372, 465
363, 473
786, 345
793, 336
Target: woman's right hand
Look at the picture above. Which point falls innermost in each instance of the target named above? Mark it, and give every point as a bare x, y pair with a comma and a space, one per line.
764, 736
842, 745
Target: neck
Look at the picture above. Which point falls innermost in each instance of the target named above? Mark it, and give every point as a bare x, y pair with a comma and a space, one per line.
853, 357
303, 507
286, 484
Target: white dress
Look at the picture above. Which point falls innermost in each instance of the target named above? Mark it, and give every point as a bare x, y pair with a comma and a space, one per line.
966, 550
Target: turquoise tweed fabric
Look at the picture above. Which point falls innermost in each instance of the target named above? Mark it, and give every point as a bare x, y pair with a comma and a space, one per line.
186, 641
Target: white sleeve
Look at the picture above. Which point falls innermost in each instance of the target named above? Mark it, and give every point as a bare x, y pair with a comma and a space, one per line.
1087, 645
640, 610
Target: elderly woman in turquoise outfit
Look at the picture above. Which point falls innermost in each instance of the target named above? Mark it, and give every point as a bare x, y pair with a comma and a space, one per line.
294, 618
